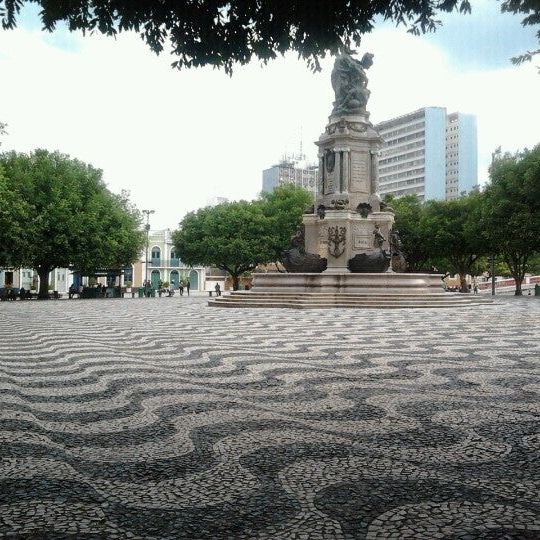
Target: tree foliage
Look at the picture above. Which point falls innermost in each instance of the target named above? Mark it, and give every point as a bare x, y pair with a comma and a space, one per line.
284, 207
57, 212
408, 218
238, 236
453, 233
511, 214
221, 33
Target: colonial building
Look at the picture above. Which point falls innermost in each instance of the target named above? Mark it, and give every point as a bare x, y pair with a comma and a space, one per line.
59, 279
163, 264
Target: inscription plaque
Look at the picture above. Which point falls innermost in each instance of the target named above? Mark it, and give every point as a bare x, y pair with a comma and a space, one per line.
361, 241
359, 172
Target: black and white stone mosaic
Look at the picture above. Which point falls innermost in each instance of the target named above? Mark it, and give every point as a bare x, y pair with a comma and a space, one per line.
165, 418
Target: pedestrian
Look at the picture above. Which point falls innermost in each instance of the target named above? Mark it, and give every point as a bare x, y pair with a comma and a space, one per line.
181, 289
218, 289
72, 290
188, 285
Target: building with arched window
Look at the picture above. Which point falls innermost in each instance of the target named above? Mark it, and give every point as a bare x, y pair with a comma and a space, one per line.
164, 265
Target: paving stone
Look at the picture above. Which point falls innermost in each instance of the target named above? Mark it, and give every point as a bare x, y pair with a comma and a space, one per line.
165, 418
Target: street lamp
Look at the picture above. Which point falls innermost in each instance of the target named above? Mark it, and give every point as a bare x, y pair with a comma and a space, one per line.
147, 228
494, 155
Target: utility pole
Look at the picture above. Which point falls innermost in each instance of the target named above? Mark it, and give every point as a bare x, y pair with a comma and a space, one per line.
147, 228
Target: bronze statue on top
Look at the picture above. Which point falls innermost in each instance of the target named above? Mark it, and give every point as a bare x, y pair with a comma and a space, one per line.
349, 82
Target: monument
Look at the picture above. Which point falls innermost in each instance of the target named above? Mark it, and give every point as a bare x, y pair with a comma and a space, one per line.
350, 226
345, 252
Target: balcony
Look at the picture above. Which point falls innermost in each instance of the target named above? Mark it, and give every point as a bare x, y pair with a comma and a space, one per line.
165, 263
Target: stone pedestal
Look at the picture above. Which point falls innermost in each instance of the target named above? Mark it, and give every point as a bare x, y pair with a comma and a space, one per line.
355, 231
347, 209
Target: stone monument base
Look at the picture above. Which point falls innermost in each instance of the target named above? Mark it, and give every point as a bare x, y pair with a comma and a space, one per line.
327, 290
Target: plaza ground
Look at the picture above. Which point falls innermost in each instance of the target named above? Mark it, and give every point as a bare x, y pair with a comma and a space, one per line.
164, 418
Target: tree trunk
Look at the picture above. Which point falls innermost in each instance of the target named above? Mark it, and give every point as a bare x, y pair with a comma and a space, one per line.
518, 292
463, 283
43, 293
235, 282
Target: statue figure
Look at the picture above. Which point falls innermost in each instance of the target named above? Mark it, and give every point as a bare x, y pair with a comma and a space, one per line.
349, 82
395, 242
378, 238
339, 204
298, 239
297, 259
321, 211
398, 262
364, 209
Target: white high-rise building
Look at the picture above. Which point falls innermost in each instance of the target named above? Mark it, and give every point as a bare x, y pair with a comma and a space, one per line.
291, 170
428, 153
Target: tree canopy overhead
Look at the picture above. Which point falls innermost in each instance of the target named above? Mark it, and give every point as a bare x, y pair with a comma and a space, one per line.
224, 32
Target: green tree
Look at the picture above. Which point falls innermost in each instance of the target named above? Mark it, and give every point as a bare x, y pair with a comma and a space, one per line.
284, 206
223, 32
238, 236
232, 236
408, 217
59, 213
511, 216
534, 264
453, 232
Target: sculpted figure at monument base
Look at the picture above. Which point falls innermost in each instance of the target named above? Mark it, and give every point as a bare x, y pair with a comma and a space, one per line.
296, 259
371, 262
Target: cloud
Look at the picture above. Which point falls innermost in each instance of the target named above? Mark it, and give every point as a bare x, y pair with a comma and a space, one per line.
175, 139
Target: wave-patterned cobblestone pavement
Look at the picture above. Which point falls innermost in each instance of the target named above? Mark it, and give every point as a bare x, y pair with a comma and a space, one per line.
164, 418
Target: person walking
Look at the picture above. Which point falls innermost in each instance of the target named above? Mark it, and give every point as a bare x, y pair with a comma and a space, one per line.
181, 289
188, 286
218, 289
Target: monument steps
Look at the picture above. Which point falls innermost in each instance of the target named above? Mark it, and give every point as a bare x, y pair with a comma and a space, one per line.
345, 300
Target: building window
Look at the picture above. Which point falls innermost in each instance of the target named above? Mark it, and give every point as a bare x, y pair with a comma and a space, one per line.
128, 274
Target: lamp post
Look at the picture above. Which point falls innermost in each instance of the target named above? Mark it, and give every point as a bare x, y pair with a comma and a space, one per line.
147, 228
494, 155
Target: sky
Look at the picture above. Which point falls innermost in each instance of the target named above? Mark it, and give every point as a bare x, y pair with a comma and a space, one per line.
175, 139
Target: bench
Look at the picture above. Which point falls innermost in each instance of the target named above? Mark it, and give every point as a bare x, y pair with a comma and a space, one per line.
9, 293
